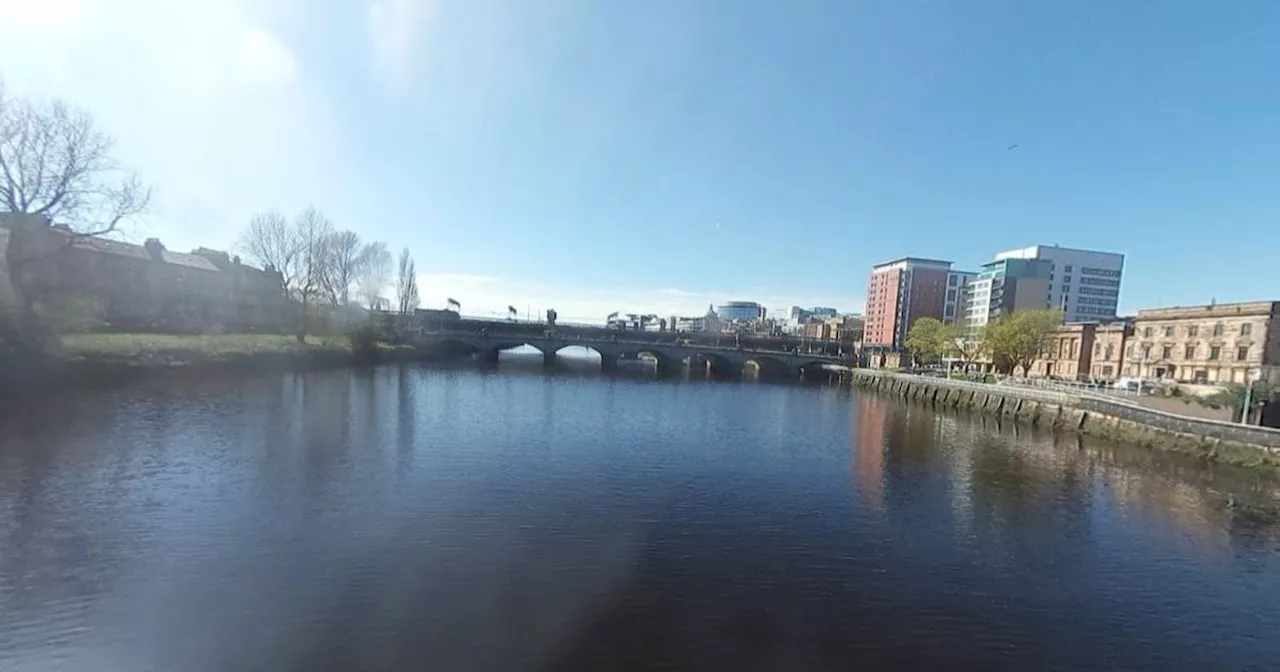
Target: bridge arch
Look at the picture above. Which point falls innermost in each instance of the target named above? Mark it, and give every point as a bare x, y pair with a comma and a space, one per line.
814, 369
667, 362
721, 365
768, 367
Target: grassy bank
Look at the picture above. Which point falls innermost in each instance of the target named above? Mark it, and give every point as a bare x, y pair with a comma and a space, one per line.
89, 359
146, 349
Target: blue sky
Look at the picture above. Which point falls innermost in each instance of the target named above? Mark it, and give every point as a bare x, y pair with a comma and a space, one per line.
597, 156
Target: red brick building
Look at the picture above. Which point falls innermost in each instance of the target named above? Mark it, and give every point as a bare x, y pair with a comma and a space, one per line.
899, 292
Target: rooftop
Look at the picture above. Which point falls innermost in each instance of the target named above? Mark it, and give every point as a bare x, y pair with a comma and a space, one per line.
911, 261
1212, 310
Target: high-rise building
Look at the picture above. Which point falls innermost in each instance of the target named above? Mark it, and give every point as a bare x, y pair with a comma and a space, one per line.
1083, 284
1004, 286
953, 307
898, 293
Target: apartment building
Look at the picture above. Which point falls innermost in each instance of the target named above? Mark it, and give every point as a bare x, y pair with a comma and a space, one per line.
954, 307
1215, 343
1005, 285
1083, 284
899, 292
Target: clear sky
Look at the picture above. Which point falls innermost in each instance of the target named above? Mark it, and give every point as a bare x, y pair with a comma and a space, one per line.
596, 155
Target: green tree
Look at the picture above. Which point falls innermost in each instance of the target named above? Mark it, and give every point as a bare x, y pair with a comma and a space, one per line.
968, 346
925, 339
1016, 340
1232, 397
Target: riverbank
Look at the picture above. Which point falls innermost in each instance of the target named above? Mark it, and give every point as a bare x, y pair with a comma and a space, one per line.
1210, 440
107, 358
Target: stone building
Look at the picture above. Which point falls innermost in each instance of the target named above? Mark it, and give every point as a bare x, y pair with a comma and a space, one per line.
1069, 355
1217, 343
1109, 338
144, 287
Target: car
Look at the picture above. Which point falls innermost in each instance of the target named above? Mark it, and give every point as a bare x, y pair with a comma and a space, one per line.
1133, 384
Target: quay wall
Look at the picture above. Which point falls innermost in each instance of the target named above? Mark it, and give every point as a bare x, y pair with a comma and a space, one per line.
1091, 415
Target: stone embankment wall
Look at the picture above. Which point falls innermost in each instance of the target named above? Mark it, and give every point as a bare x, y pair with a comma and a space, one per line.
1209, 439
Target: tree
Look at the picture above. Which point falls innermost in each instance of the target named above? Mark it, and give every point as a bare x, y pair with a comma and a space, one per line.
407, 284
374, 275
925, 339
1232, 396
1016, 340
969, 346
343, 254
312, 231
271, 243
55, 162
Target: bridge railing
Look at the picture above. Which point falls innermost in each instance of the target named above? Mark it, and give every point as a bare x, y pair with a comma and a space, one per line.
696, 347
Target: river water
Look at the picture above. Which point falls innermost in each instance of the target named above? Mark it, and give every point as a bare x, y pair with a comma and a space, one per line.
405, 517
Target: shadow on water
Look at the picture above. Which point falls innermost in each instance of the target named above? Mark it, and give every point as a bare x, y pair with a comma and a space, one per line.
414, 517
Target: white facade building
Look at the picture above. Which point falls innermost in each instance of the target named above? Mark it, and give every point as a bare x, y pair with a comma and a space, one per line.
1083, 284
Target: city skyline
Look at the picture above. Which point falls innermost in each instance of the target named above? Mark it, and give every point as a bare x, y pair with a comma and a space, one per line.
600, 158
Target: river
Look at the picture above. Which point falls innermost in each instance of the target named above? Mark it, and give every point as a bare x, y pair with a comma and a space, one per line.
405, 517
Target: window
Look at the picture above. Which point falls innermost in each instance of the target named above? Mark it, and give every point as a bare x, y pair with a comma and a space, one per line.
952, 280
1217, 329
1246, 329
1190, 353
1067, 278
1067, 269
1111, 350
951, 295
1214, 352
1168, 332
1097, 349
1146, 333
1146, 352
1242, 353
1167, 352
1193, 331
1128, 352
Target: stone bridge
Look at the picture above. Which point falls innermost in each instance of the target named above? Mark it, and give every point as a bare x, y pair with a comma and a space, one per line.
670, 357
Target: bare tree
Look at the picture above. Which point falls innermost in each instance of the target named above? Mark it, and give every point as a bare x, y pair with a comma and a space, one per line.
344, 257
55, 162
313, 231
272, 243
374, 275
407, 284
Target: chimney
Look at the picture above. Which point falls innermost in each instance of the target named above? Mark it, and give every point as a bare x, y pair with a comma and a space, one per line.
154, 248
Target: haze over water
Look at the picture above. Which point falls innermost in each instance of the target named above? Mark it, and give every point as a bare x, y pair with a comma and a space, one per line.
405, 517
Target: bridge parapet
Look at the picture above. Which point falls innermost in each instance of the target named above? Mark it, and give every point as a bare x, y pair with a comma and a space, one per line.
669, 355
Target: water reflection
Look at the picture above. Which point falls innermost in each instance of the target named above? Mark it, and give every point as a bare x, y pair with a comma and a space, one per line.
407, 518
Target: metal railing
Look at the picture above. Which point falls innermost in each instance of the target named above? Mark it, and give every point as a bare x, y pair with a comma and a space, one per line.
1046, 395
1075, 387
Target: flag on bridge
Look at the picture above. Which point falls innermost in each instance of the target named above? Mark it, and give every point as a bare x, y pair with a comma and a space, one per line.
610, 316
453, 303
511, 310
